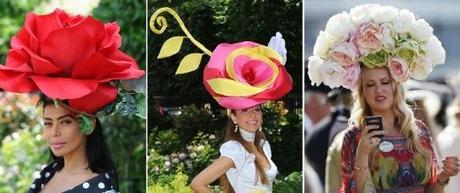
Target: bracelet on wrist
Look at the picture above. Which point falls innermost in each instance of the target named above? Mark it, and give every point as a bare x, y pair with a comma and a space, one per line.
357, 168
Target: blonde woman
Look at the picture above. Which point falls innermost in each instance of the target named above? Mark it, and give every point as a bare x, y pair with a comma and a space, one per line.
373, 50
403, 159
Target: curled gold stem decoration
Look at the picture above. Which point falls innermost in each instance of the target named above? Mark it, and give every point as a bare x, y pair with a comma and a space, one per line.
163, 24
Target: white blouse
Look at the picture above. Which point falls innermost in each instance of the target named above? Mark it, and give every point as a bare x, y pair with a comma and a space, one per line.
243, 177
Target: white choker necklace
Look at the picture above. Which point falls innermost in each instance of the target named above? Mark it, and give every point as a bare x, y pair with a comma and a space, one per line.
247, 136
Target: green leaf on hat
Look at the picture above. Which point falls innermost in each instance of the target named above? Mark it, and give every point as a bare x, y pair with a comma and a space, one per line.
140, 100
86, 124
127, 104
106, 110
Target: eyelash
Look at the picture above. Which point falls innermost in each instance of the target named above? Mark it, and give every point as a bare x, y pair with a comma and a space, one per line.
383, 82
66, 122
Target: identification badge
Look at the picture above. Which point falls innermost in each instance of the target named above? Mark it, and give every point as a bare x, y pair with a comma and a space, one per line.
386, 146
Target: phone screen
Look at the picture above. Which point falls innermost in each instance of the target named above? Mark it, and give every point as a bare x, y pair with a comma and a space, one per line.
374, 120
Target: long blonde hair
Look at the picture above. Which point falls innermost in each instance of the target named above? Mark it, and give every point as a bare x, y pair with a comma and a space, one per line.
405, 121
230, 134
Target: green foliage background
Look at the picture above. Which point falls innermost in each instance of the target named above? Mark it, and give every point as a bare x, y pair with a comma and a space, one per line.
11, 19
23, 151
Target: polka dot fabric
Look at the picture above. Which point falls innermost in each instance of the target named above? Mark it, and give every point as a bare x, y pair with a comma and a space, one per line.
102, 183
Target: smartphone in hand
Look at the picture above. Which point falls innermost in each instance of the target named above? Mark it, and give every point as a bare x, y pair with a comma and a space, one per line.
374, 120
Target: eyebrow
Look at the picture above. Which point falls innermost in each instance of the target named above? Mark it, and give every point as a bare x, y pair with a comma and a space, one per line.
61, 117
384, 78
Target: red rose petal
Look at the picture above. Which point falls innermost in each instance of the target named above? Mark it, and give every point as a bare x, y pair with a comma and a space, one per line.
129, 73
104, 70
132, 72
17, 60
71, 21
64, 88
16, 81
92, 102
120, 57
42, 66
26, 36
45, 24
112, 39
97, 67
61, 16
68, 46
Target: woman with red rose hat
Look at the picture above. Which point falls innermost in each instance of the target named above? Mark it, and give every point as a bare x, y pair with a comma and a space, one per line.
81, 162
76, 65
373, 50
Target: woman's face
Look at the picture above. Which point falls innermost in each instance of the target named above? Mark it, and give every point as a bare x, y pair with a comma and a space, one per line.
61, 130
378, 89
249, 119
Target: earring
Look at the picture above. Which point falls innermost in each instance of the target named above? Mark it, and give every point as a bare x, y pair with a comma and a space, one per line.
260, 128
236, 127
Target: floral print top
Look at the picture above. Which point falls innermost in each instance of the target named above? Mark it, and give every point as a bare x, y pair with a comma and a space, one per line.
396, 171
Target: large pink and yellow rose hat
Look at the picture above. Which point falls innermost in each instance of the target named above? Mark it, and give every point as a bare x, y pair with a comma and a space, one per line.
372, 36
238, 75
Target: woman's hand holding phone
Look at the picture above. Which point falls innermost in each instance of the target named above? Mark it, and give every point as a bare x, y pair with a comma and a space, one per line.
370, 134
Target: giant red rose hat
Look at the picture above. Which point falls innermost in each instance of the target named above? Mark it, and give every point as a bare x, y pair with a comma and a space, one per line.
238, 75
68, 58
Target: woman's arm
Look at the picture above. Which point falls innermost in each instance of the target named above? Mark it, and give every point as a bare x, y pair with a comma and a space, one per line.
361, 167
210, 174
361, 170
442, 181
450, 168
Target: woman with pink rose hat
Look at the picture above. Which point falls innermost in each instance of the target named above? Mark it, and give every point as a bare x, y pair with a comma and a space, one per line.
74, 62
241, 77
245, 163
372, 50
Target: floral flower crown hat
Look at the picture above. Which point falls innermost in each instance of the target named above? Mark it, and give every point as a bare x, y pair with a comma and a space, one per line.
72, 59
374, 36
239, 75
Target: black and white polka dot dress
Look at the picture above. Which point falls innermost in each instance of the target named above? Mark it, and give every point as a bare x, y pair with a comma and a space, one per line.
102, 183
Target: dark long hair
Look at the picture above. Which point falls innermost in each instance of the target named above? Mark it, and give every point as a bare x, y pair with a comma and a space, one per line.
230, 134
97, 152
